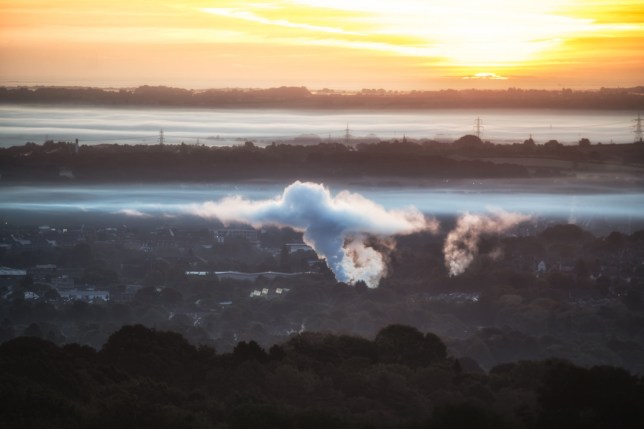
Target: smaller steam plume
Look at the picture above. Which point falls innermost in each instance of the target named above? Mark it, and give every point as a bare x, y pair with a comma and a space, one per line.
462, 243
348, 230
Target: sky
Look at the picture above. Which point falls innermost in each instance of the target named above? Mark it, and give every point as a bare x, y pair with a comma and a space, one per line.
339, 44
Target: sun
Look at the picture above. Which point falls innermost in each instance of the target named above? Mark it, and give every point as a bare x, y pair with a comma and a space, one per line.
469, 35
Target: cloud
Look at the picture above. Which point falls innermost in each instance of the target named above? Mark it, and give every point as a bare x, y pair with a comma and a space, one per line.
337, 227
462, 243
250, 16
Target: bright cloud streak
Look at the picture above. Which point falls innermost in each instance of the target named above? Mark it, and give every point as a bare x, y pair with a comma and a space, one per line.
250, 16
471, 35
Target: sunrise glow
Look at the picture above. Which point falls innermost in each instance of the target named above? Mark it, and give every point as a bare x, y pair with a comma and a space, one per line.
323, 43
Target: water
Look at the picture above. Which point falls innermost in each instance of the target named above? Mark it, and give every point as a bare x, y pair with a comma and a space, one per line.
621, 209
94, 125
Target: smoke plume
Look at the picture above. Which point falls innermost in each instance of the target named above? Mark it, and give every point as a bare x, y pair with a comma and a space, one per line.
339, 228
462, 243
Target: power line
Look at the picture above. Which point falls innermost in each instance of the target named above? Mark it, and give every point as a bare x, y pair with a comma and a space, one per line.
638, 128
478, 126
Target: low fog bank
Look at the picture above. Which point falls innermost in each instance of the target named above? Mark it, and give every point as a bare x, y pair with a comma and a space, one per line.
598, 202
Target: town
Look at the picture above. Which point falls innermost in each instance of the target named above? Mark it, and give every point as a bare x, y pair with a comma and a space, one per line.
220, 285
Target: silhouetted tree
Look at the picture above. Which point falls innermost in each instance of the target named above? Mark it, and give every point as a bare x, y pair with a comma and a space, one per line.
600, 397
407, 346
244, 351
32, 330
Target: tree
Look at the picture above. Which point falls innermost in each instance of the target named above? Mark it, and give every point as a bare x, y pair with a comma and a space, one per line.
32, 330
285, 259
408, 346
600, 397
581, 270
170, 297
334, 349
552, 145
567, 232
7, 331
465, 415
148, 295
81, 255
244, 351
79, 311
469, 140
146, 352
27, 282
51, 295
253, 416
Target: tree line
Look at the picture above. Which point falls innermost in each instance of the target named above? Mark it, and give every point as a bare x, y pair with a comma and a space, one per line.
400, 379
301, 97
467, 157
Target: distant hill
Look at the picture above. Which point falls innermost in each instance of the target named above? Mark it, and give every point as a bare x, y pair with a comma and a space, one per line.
301, 97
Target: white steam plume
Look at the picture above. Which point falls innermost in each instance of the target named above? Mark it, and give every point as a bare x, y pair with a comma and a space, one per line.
335, 227
462, 243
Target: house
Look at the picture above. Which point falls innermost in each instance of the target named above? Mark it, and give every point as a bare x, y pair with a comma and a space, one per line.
11, 276
31, 296
268, 293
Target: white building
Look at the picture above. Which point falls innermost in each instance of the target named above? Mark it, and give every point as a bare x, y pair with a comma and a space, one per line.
87, 295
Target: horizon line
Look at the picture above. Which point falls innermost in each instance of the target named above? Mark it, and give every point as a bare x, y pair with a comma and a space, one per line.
317, 90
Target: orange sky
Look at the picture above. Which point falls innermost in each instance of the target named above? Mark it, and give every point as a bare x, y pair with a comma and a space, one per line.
344, 44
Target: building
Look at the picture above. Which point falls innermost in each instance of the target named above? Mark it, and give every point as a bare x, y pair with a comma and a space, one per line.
6, 272
294, 247
11, 276
268, 275
223, 235
88, 295
238, 275
63, 282
43, 273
